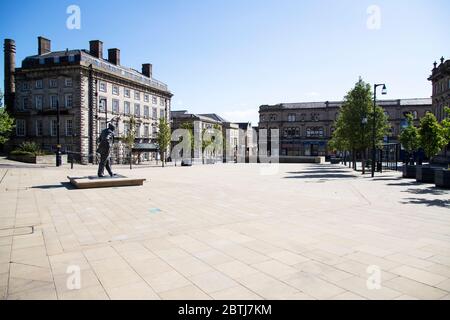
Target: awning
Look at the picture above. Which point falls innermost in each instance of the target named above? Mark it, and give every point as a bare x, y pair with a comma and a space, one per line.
145, 147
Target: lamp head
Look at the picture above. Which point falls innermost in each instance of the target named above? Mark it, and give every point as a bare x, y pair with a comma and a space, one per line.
384, 90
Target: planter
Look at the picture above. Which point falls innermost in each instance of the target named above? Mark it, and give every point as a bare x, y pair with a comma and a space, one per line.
47, 159
442, 178
409, 171
425, 174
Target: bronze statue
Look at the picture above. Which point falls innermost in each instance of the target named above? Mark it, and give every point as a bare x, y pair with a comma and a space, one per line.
105, 143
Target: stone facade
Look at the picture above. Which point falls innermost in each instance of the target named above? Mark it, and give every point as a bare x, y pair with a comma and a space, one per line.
90, 91
237, 137
306, 128
440, 79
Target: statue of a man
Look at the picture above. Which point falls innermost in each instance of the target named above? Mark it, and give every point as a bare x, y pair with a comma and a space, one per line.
105, 143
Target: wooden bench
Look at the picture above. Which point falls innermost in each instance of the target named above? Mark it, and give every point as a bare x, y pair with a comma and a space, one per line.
104, 182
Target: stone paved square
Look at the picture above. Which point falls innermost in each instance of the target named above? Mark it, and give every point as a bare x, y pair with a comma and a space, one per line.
223, 231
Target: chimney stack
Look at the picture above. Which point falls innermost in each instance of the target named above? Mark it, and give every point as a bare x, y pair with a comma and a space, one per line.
44, 46
147, 70
114, 56
96, 48
10, 66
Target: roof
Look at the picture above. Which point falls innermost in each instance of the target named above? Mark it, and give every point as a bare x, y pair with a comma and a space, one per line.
334, 104
214, 116
85, 58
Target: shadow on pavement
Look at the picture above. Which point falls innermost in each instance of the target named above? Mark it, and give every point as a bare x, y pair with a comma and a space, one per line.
66, 185
428, 202
322, 176
431, 190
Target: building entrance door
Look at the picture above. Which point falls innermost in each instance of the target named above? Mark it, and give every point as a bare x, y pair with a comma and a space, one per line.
314, 150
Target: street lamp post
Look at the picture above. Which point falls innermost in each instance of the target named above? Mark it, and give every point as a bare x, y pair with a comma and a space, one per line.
58, 144
384, 91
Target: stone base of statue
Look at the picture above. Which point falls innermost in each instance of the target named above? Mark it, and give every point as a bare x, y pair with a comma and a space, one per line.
104, 182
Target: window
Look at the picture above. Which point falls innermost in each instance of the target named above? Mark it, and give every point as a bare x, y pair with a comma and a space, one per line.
68, 100
102, 125
115, 90
38, 102
146, 112
53, 127
25, 103
53, 101
25, 85
154, 131
115, 106
162, 114
162, 102
102, 105
102, 86
154, 113
138, 130
69, 127
53, 83
39, 128
126, 92
291, 117
126, 107
71, 58
68, 82
38, 84
414, 114
273, 117
146, 131
126, 128
263, 118
154, 100
386, 114
137, 95
20, 127
137, 109
56, 60
146, 98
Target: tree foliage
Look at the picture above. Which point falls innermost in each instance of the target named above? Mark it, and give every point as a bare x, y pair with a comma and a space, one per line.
431, 135
164, 138
354, 125
130, 135
6, 123
446, 125
409, 137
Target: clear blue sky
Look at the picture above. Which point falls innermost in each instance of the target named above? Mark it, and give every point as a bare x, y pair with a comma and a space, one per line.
230, 56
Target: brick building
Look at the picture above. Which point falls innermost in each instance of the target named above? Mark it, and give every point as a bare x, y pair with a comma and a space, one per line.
89, 91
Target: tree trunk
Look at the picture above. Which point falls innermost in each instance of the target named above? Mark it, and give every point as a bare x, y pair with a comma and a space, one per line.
363, 162
131, 160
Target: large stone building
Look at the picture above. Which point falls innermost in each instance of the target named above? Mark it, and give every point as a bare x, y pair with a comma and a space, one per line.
89, 91
306, 128
440, 79
238, 138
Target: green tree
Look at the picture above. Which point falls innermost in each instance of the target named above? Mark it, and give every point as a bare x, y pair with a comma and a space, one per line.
6, 123
446, 128
431, 135
163, 138
410, 138
354, 126
129, 138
